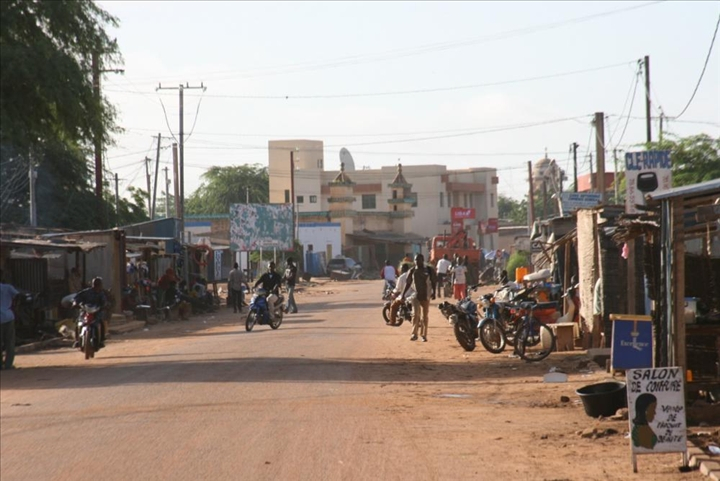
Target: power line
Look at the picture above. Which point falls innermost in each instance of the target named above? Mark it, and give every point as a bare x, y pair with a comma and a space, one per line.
707, 59
627, 121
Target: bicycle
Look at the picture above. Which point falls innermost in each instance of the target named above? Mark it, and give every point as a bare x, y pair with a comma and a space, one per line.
534, 341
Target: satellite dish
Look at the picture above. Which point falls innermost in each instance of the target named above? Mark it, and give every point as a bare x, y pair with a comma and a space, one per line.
347, 159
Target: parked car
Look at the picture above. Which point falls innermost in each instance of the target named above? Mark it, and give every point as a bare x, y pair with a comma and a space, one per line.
345, 265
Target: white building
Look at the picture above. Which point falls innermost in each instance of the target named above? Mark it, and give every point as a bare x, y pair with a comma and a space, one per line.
399, 206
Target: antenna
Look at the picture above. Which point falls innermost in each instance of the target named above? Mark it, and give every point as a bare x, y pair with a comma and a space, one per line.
347, 159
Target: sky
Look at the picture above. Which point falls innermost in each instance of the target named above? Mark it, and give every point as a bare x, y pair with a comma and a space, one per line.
461, 84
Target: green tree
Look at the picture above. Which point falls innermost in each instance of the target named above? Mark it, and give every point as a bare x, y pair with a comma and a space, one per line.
694, 159
49, 114
509, 208
223, 186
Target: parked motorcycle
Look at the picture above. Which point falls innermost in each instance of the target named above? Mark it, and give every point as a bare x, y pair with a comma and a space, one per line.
404, 312
89, 326
464, 319
259, 311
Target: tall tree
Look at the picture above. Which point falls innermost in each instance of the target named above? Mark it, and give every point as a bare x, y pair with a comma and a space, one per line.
223, 186
694, 159
49, 114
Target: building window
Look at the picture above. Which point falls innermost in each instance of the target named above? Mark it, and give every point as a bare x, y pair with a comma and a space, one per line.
394, 194
287, 196
368, 201
442, 198
413, 196
320, 163
300, 199
449, 199
313, 199
492, 200
465, 204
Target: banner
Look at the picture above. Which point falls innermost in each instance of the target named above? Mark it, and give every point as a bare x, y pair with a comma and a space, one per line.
646, 172
261, 226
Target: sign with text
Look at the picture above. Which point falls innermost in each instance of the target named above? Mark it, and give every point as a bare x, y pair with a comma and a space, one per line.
646, 172
656, 410
632, 342
457, 213
572, 201
492, 226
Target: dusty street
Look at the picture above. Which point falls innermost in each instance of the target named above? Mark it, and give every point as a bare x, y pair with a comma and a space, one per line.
332, 394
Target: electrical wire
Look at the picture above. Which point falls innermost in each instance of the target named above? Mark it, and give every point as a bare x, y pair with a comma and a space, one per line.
162, 104
197, 112
627, 120
707, 59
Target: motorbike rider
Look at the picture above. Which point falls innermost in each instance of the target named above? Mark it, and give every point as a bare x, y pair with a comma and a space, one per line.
397, 293
389, 273
270, 281
93, 296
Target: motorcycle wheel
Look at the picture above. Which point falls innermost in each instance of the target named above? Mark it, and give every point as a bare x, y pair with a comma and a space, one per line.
492, 336
278, 320
536, 342
465, 335
250, 321
87, 345
386, 314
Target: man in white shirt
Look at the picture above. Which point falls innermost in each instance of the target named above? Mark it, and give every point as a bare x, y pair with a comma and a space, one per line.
399, 288
459, 280
442, 271
389, 273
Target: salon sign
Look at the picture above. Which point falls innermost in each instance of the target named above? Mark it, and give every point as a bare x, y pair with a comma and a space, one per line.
656, 410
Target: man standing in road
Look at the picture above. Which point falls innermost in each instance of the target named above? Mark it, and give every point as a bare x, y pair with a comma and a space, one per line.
442, 270
270, 281
290, 278
459, 280
422, 279
7, 323
235, 285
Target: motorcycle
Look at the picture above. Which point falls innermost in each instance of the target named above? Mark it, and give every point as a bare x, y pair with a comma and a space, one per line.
464, 319
89, 329
260, 313
387, 292
404, 312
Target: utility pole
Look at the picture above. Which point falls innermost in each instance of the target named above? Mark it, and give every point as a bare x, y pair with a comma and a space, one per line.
593, 184
574, 149
615, 180
32, 176
292, 189
176, 174
181, 89
147, 177
167, 194
157, 167
531, 198
662, 117
600, 152
648, 121
117, 201
97, 140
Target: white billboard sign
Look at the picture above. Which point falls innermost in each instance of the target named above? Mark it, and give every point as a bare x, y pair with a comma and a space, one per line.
646, 172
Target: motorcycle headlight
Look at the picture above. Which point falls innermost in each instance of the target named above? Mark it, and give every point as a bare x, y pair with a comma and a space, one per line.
453, 319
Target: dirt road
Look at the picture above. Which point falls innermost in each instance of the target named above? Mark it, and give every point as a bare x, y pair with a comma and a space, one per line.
333, 394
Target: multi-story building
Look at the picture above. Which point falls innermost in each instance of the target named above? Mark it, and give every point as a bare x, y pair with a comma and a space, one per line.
396, 209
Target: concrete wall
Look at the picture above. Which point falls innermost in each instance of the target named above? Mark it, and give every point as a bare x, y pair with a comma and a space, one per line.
320, 236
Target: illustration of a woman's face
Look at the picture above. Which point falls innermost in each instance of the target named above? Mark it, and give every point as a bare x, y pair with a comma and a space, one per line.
650, 412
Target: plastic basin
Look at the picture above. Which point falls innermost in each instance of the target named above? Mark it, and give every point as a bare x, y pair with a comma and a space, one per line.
603, 399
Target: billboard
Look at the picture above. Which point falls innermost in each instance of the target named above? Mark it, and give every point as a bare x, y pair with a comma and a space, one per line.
572, 201
261, 226
646, 172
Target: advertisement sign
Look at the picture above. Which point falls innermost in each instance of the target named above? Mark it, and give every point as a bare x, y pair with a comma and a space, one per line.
492, 226
632, 342
457, 213
572, 201
457, 226
656, 411
257, 226
646, 172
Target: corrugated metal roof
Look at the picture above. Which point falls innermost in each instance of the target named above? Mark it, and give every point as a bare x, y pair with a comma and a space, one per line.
703, 188
48, 244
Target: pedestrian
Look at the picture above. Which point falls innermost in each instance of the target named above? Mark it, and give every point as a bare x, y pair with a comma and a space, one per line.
236, 279
596, 329
398, 291
470, 274
389, 273
459, 280
443, 266
74, 281
7, 323
422, 280
290, 278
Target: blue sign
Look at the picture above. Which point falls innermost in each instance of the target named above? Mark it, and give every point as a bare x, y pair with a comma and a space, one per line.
632, 342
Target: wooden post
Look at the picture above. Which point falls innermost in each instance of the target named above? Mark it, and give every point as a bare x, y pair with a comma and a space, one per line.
678, 323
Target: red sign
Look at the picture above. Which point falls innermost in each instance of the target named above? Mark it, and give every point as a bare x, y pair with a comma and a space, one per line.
492, 226
457, 213
457, 226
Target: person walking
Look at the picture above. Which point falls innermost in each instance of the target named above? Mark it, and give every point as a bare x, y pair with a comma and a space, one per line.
290, 278
236, 279
459, 280
422, 279
7, 323
443, 266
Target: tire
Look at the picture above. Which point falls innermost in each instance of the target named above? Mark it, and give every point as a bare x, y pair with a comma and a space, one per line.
87, 344
535, 342
386, 314
250, 321
465, 335
278, 320
492, 335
